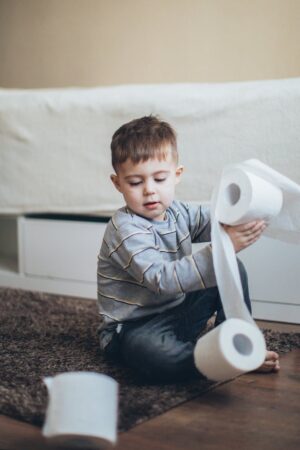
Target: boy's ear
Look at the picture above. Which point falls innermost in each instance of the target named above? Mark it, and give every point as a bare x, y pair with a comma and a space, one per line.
114, 178
178, 172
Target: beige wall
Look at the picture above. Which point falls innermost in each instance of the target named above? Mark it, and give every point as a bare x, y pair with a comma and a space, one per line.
48, 43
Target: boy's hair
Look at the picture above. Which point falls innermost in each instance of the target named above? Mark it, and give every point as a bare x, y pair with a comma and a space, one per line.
142, 139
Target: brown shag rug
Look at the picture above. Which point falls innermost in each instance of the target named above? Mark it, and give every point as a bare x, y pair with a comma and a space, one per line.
43, 335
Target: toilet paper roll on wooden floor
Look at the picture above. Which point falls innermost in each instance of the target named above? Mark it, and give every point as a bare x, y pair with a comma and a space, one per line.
82, 407
231, 349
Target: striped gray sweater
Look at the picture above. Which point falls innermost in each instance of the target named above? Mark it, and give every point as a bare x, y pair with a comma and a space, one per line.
147, 266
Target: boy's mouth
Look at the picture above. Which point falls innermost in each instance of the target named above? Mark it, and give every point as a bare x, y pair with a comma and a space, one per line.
151, 205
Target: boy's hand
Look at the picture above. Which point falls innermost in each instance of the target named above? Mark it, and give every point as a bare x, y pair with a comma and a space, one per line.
244, 235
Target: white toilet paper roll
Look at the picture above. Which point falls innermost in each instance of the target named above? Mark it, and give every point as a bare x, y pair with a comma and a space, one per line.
247, 191
232, 348
243, 197
81, 405
286, 225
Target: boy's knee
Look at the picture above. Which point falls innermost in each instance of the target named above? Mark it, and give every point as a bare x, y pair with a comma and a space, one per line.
156, 360
169, 366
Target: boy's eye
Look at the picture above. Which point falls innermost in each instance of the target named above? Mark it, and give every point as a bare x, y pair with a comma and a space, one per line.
159, 180
134, 183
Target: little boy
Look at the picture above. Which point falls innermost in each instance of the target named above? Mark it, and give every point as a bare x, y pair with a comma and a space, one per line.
155, 295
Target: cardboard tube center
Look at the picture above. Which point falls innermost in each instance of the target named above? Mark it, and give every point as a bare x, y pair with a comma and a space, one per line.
232, 194
242, 344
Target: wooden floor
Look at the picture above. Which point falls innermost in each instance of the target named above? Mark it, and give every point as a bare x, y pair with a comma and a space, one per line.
254, 411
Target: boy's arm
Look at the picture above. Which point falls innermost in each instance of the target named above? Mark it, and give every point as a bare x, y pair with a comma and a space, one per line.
140, 257
241, 235
197, 218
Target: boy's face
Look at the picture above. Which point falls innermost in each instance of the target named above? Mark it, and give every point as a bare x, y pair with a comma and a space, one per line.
148, 187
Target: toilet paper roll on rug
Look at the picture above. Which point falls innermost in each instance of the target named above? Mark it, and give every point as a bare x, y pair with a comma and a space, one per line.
247, 191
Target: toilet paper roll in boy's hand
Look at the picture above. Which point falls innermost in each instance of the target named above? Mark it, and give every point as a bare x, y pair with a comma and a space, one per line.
243, 197
244, 204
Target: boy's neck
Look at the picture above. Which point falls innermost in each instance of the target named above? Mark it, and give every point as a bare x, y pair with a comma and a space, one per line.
130, 211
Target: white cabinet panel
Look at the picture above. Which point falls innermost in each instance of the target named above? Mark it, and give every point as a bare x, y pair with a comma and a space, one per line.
61, 248
274, 271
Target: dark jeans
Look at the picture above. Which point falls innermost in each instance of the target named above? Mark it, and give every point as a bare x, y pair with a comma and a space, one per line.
160, 348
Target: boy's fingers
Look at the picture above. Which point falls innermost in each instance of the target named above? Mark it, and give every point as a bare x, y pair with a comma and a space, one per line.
255, 224
252, 240
254, 236
245, 226
259, 224
252, 227
249, 237
256, 233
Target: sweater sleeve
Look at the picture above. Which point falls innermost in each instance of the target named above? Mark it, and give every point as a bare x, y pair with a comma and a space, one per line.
198, 219
137, 253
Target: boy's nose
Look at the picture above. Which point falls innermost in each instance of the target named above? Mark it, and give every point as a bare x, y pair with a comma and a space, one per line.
148, 189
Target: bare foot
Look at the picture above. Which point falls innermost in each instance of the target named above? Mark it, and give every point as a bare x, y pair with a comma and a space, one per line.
271, 363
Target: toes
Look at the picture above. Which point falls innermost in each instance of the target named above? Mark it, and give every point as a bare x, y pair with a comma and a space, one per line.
277, 366
271, 356
270, 365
